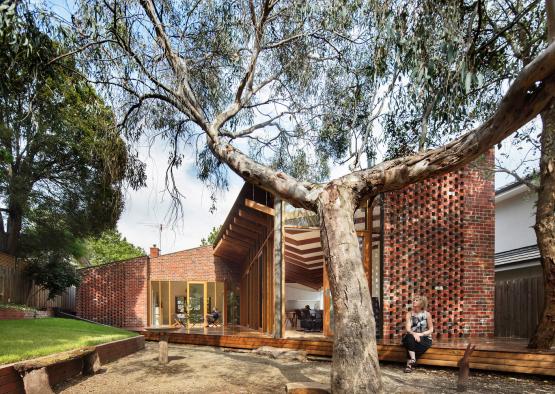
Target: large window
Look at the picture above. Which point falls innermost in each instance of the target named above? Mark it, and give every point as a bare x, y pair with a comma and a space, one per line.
173, 300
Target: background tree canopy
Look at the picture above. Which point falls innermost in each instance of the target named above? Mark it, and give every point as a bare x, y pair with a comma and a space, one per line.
64, 163
109, 246
211, 237
334, 82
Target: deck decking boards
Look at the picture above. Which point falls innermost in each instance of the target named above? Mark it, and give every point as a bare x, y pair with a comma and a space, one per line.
498, 354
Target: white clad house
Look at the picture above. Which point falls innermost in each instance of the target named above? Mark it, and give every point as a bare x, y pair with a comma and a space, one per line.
518, 273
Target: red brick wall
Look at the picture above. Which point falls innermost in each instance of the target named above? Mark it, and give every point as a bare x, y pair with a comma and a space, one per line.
16, 314
193, 264
479, 248
115, 293
438, 241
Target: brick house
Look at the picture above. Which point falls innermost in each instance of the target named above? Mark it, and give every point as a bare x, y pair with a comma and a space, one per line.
120, 293
434, 238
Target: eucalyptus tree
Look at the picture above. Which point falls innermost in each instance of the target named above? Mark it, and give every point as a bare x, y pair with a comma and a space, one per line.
455, 81
274, 90
524, 42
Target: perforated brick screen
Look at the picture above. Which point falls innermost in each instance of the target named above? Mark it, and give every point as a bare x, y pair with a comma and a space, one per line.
438, 241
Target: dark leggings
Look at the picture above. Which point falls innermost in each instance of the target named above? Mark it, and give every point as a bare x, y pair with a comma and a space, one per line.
418, 347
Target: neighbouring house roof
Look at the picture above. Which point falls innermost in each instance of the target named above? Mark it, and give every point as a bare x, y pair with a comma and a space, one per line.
511, 190
527, 256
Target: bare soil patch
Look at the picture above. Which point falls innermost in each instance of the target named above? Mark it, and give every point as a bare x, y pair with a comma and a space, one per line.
200, 369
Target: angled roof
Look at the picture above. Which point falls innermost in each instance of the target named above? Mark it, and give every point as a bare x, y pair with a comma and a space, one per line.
517, 258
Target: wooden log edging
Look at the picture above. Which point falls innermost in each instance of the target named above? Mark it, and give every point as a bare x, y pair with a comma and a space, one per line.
11, 382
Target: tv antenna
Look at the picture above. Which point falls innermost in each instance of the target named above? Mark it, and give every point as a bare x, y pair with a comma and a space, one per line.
158, 226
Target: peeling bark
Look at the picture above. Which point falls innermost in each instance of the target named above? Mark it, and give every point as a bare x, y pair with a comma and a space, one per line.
544, 334
355, 366
545, 230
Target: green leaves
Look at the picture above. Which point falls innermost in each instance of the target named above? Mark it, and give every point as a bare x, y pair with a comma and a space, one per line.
52, 271
109, 246
63, 163
211, 237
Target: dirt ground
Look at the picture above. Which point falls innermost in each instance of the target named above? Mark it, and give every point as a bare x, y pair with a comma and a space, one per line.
196, 369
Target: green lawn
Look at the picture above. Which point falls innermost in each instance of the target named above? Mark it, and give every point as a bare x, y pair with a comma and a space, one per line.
25, 339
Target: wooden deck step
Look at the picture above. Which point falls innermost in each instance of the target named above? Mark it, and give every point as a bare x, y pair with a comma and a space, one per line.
489, 358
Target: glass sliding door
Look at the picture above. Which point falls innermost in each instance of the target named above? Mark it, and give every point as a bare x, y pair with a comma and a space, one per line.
164, 302
211, 291
178, 297
197, 302
155, 303
219, 302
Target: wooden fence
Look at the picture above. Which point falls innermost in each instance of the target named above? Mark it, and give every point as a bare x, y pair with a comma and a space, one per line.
15, 288
518, 305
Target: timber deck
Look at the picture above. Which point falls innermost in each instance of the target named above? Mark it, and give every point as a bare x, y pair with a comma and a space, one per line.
491, 354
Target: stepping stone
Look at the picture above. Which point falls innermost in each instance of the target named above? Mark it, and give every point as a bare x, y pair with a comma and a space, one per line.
281, 353
307, 388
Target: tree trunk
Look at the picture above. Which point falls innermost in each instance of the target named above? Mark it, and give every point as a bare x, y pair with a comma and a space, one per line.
355, 366
15, 220
545, 229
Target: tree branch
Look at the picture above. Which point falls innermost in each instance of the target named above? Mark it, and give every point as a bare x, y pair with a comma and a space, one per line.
524, 180
300, 194
247, 80
178, 66
80, 49
527, 96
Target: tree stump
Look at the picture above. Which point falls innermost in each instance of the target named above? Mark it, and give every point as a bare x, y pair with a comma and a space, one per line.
464, 368
163, 348
91, 364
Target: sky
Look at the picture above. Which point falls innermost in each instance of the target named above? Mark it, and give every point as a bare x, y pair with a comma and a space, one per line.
148, 207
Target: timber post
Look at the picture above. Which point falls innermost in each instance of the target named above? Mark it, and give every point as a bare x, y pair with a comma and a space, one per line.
279, 269
464, 368
163, 348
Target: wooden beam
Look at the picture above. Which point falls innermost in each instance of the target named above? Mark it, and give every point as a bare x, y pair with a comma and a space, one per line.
303, 266
312, 285
236, 241
245, 230
307, 280
299, 230
236, 255
252, 226
288, 257
302, 259
300, 242
253, 216
291, 248
279, 270
294, 269
259, 207
240, 234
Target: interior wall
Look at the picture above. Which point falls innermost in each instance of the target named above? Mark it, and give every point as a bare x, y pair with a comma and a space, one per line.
297, 296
